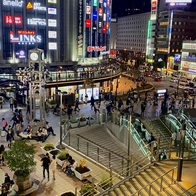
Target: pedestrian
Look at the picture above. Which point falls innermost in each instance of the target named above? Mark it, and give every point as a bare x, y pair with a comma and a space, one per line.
28, 108
9, 137
15, 103
96, 109
13, 191
77, 106
53, 166
174, 137
4, 124
157, 112
45, 164
92, 102
69, 111
11, 102
86, 98
82, 99
2, 149
7, 179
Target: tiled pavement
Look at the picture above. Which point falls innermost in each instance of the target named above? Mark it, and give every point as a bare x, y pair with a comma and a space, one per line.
63, 182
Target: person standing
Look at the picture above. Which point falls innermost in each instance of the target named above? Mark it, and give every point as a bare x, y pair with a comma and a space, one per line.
92, 102
86, 98
45, 164
53, 166
11, 102
77, 106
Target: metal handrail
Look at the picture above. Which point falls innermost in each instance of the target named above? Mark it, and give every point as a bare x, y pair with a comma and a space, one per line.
160, 177
186, 191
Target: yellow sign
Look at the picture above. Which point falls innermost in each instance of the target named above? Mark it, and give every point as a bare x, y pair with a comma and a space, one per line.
29, 6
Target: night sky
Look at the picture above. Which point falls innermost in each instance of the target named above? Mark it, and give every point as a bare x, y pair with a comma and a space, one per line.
136, 7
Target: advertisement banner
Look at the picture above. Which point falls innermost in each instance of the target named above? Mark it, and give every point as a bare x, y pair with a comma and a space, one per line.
80, 28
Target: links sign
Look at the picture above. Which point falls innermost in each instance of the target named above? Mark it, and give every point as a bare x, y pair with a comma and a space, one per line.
13, 3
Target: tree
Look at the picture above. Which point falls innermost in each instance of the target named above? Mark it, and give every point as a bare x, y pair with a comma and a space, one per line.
20, 158
160, 64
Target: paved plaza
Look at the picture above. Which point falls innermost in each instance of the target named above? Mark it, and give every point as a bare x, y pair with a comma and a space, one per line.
64, 182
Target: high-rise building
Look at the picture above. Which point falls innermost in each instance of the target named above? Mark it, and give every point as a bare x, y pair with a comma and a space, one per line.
131, 7
70, 32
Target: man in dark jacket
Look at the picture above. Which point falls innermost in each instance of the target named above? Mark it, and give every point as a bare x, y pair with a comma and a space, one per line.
45, 164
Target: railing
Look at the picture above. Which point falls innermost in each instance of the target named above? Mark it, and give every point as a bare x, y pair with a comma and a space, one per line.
114, 178
155, 181
188, 190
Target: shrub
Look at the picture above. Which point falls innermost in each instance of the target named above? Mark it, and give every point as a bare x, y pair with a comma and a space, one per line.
87, 189
105, 181
49, 146
62, 154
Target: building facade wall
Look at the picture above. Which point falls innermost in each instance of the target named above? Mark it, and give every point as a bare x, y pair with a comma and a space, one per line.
132, 32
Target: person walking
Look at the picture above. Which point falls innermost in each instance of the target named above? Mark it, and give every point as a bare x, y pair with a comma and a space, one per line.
53, 166
45, 164
11, 102
92, 102
4, 124
86, 98
77, 106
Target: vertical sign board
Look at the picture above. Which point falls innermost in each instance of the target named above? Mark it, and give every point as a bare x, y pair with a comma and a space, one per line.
153, 10
80, 28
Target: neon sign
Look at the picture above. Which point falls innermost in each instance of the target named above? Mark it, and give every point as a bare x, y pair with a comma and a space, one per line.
96, 48
26, 32
12, 3
21, 54
25, 39
8, 19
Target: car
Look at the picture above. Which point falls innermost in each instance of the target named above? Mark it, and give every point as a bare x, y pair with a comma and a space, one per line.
148, 74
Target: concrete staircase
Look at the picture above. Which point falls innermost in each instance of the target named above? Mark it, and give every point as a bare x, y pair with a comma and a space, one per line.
159, 130
140, 181
98, 145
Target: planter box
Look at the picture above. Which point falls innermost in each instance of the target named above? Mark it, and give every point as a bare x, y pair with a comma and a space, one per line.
83, 123
51, 106
92, 121
82, 176
44, 151
74, 125
53, 152
60, 162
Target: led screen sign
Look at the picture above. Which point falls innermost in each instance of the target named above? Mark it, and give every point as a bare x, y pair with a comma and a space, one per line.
21, 54
25, 39
36, 21
80, 28
88, 9
8, 19
13, 3
178, 1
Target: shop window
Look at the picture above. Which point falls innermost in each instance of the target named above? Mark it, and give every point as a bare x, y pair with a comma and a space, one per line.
172, 50
177, 50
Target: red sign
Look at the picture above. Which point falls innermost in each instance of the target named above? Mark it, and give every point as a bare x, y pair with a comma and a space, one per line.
104, 29
8, 19
96, 48
26, 32
17, 20
88, 23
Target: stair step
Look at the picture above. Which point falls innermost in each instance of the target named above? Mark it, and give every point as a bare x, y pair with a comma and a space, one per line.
138, 186
112, 193
130, 187
125, 190
118, 191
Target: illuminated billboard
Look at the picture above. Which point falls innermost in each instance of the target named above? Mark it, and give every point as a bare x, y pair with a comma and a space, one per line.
178, 1
13, 3
88, 9
52, 34
8, 19
25, 38
36, 21
52, 1
88, 23
52, 22
52, 46
52, 11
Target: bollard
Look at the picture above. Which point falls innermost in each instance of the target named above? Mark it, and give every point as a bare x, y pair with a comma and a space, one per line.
179, 172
